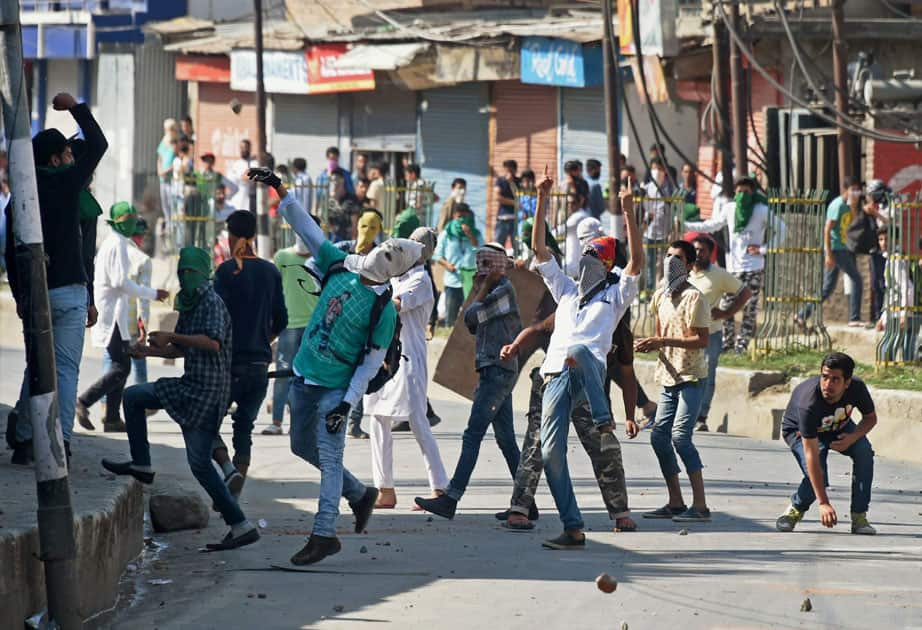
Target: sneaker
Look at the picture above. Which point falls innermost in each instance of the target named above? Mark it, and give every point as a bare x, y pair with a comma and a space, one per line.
363, 508
789, 520
443, 506
860, 524
532, 514
234, 482
665, 512
231, 542
702, 425
83, 417
691, 515
565, 542
401, 426
273, 429
125, 468
316, 549
433, 417
114, 427
356, 432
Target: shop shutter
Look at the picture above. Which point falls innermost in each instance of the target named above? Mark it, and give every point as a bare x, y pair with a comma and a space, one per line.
582, 133
304, 126
114, 106
384, 120
454, 143
526, 131
219, 130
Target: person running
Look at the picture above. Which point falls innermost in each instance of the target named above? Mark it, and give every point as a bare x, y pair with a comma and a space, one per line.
682, 323
588, 311
714, 283
818, 419
252, 291
403, 398
493, 318
343, 348
114, 289
197, 400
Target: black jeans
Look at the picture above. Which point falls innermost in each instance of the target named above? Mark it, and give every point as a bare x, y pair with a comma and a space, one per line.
249, 385
112, 383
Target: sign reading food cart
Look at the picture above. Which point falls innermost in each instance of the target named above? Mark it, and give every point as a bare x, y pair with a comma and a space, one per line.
284, 72
552, 62
324, 77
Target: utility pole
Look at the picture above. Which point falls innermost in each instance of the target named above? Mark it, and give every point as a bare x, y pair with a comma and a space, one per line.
721, 51
840, 78
57, 547
263, 240
612, 75
740, 105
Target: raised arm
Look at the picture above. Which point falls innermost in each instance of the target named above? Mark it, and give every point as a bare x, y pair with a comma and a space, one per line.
296, 216
539, 232
96, 143
634, 245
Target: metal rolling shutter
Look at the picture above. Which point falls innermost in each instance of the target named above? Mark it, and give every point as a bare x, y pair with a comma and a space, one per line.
304, 126
582, 133
384, 120
455, 143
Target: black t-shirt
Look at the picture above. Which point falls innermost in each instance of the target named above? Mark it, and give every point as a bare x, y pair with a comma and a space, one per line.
506, 189
810, 415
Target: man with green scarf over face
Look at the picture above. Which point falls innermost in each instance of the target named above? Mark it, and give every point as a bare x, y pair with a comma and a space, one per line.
197, 400
113, 289
455, 252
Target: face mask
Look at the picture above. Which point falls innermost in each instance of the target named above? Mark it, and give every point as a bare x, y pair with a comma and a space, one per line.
332, 164
674, 273
745, 200
458, 195
655, 173
591, 273
368, 229
854, 195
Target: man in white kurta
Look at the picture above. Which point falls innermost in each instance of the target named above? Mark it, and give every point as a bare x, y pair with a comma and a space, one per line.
403, 398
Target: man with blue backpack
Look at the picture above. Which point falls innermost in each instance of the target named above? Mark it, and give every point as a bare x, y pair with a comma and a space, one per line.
348, 348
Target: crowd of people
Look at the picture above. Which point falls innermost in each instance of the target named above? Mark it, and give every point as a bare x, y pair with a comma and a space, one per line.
352, 317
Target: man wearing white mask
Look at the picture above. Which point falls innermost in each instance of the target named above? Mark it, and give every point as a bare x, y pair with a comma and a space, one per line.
458, 192
342, 350
682, 317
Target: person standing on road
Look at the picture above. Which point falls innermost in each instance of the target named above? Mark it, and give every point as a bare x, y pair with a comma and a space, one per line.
237, 174
197, 400
682, 322
507, 187
588, 311
252, 291
114, 289
301, 183
456, 252
656, 218
166, 153
714, 283
818, 419
493, 318
343, 348
61, 183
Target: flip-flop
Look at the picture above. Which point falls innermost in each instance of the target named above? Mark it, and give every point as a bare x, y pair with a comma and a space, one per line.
518, 526
630, 528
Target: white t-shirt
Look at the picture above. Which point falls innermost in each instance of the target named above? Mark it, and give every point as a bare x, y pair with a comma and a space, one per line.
238, 168
755, 233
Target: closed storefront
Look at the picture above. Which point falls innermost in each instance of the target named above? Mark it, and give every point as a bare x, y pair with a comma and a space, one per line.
455, 142
525, 130
304, 126
582, 126
219, 130
384, 120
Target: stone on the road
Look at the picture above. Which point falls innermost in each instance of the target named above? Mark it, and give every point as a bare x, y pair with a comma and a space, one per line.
807, 606
606, 583
175, 508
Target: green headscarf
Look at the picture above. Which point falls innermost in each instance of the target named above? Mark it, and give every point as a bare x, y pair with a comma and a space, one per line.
198, 263
124, 218
526, 230
454, 226
405, 223
693, 212
89, 207
745, 203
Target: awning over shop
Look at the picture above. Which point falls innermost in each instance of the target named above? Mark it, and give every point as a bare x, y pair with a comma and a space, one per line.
380, 57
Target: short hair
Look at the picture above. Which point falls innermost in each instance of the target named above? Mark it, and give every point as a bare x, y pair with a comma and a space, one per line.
246, 141
242, 224
746, 181
850, 181
363, 180
687, 249
656, 162
187, 118
529, 174
282, 168
511, 164
459, 181
299, 163
381, 166
705, 240
220, 186
361, 155
463, 207
630, 168
332, 151
658, 147
572, 165
593, 163
413, 168
579, 187
839, 361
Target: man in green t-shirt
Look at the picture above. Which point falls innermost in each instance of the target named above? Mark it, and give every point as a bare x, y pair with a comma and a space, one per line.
301, 295
839, 215
332, 368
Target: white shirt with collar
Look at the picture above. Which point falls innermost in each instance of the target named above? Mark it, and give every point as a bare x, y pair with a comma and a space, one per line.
113, 288
739, 260
592, 325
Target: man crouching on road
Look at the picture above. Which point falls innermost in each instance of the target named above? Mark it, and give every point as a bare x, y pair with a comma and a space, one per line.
819, 418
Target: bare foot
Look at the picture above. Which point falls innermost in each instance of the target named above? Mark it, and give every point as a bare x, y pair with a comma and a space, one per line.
387, 499
625, 524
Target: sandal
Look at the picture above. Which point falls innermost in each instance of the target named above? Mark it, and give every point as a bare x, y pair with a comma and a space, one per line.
629, 526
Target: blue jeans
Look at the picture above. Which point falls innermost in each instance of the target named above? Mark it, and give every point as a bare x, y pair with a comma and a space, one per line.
675, 422
845, 261
248, 389
311, 441
138, 368
289, 342
862, 469
503, 231
715, 344
454, 299
135, 401
492, 406
68, 324
584, 381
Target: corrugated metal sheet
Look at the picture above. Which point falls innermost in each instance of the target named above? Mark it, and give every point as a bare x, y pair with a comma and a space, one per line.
454, 142
158, 95
304, 126
384, 120
526, 130
114, 109
582, 130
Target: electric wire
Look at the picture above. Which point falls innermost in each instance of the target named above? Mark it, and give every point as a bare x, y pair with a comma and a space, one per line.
898, 12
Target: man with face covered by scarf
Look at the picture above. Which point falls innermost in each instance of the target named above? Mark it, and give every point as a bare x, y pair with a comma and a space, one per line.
682, 318
197, 400
493, 318
113, 289
340, 353
588, 310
